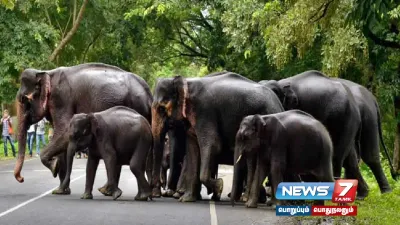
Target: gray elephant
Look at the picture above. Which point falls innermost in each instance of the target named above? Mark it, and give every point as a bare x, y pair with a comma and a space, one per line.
60, 93
333, 104
290, 142
213, 107
119, 136
371, 133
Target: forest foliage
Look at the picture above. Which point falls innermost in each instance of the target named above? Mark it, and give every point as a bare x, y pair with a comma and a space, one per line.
357, 40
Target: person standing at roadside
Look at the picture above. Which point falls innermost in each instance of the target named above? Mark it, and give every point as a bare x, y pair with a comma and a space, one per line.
7, 132
50, 135
40, 135
31, 135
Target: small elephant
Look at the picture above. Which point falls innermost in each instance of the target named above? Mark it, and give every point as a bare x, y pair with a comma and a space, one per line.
290, 142
119, 136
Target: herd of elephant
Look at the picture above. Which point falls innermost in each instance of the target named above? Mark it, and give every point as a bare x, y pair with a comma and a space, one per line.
302, 128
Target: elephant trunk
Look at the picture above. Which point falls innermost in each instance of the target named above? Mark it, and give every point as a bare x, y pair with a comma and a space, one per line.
22, 128
158, 131
239, 166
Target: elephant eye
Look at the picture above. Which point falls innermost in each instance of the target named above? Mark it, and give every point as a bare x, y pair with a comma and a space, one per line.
161, 109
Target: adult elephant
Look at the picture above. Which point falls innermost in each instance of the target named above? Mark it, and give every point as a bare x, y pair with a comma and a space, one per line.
214, 107
371, 132
60, 93
333, 104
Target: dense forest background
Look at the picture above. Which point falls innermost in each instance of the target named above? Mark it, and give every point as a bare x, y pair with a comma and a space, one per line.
357, 40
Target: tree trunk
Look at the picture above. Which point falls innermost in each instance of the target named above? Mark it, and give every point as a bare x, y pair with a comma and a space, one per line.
70, 33
396, 153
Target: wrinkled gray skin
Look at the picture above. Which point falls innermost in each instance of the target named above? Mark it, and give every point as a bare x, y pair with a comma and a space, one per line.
60, 93
214, 107
119, 136
290, 142
333, 104
371, 133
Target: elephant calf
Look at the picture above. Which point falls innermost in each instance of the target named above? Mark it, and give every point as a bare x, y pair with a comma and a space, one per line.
119, 136
290, 142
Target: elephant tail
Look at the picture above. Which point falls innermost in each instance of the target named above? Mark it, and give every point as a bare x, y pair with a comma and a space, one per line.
392, 171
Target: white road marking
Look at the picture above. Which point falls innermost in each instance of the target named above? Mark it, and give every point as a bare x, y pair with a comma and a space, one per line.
213, 213
35, 198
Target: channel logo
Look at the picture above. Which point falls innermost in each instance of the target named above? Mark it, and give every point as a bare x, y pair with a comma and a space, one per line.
340, 191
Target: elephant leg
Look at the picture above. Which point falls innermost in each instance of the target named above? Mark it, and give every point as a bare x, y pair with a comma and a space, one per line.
105, 189
91, 168
370, 156
62, 172
111, 166
352, 171
182, 178
251, 165
149, 165
192, 180
138, 167
258, 178
210, 146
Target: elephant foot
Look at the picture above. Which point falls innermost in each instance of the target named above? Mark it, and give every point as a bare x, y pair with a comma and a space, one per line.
361, 196
251, 204
87, 196
105, 191
54, 167
262, 198
143, 196
386, 190
61, 191
199, 197
168, 194
244, 198
268, 191
176, 195
209, 191
116, 194
219, 186
156, 193
271, 202
187, 198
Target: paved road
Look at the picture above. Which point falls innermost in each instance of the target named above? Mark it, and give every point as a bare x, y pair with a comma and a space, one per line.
31, 203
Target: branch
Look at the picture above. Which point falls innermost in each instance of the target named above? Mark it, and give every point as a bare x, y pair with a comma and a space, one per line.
90, 44
74, 18
324, 6
193, 39
70, 34
48, 16
377, 40
182, 42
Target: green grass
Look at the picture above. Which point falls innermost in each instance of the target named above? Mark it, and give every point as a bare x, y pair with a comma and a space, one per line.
376, 209
10, 155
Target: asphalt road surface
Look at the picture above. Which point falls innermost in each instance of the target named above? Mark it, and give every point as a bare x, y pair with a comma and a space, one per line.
31, 203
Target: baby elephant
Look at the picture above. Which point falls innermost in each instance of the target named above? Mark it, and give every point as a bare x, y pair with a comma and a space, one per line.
290, 142
119, 136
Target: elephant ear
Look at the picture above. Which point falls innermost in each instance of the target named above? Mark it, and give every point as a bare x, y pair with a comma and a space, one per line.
259, 123
43, 80
180, 95
93, 124
290, 100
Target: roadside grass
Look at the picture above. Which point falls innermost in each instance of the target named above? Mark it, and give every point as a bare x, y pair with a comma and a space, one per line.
376, 209
9, 150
